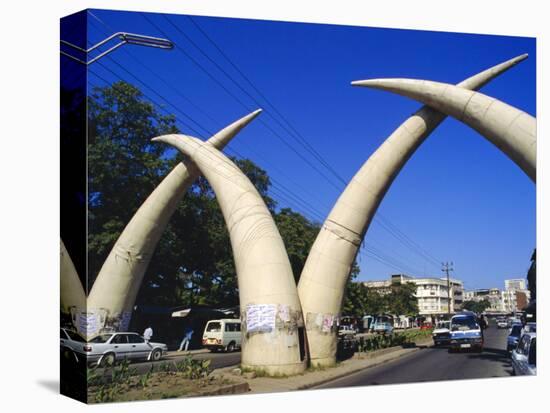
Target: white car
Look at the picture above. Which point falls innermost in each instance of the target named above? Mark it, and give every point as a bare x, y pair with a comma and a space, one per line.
72, 344
106, 349
442, 333
524, 357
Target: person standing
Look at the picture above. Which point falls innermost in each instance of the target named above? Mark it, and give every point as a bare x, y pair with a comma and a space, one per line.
147, 334
186, 339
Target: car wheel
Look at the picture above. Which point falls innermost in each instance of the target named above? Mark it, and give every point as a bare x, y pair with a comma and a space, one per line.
156, 355
230, 347
107, 360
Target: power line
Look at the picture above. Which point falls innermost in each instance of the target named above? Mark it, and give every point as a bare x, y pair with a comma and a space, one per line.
261, 121
372, 252
293, 132
384, 222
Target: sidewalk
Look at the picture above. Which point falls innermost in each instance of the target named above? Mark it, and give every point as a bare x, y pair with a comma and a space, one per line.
174, 353
312, 378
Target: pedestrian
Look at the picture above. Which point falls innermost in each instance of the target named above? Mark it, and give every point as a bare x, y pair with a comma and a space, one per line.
147, 334
188, 333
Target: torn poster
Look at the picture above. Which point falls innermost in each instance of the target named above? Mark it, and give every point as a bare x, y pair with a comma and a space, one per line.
260, 317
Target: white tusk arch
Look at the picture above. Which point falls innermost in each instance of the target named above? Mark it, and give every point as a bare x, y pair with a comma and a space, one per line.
72, 291
265, 279
116, 287
511, 130
328, 265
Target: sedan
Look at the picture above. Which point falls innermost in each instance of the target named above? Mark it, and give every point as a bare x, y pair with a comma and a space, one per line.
72, 345
106, 349
524, 357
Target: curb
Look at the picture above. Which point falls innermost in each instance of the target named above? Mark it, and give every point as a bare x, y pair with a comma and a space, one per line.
353, 371
238, 388
175, 353
337, 375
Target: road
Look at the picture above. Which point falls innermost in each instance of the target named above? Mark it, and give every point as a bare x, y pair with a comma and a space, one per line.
433, 364
218, 360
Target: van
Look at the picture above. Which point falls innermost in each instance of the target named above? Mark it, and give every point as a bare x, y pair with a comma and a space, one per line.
223, 334
465, 332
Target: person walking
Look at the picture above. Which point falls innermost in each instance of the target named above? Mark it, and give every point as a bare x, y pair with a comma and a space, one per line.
147, 334
186, 339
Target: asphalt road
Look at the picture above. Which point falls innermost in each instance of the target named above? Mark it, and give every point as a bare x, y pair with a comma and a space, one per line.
218, 360
433, 364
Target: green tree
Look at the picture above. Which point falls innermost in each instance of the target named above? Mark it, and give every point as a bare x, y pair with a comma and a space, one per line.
476, 306
402, 300
123, 165
298, 234
193, 262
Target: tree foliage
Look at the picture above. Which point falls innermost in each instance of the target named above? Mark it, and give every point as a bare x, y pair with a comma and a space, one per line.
476, 306
361, 300
193, 262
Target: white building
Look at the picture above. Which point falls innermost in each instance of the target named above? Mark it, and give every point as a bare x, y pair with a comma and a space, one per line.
432, 294
514, 297
492, 295
515, 284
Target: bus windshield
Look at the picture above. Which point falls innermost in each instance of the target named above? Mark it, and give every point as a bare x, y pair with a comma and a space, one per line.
463, 323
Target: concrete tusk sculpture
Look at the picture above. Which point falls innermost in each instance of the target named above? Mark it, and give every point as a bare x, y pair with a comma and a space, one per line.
73, 296
322, 283
271, 315
116, 287
511, 130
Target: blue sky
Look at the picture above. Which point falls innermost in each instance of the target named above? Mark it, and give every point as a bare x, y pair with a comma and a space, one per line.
458, 197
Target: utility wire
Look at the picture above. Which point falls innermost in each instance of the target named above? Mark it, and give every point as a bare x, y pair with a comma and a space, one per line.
266, 125
386, 224
291, 132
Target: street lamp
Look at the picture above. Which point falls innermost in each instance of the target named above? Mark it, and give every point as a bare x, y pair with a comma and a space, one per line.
124, 38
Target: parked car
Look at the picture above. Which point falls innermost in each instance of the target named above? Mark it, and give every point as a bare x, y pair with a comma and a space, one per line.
442, 333
513, 337
383, 327
224, 334
530, 327
72, 345
524, 357
107, 349
465, 332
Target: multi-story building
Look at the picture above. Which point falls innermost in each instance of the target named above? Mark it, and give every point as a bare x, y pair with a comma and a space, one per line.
432, 294
515, 300
515, 296
515, 284
492, 295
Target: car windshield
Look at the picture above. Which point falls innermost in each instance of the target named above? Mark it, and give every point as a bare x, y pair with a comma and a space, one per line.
463, 323
443, 324
214, 327
75, 336
103, 338
516, 330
